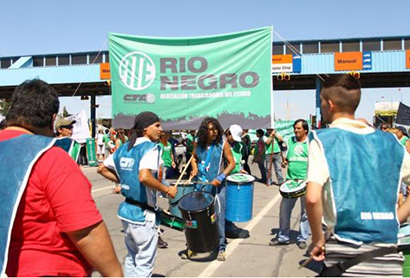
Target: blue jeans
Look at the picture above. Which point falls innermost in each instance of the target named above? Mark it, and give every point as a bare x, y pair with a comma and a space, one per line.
261, 166
220, 208
277, 165
286, 207
141, 241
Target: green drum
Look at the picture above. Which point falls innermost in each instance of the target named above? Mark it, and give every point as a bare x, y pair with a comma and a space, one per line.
291, 189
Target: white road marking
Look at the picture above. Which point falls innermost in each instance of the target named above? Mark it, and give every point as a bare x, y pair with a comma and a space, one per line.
104, 188
211, 268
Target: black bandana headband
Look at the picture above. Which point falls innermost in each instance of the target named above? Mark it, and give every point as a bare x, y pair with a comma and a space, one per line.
141, 121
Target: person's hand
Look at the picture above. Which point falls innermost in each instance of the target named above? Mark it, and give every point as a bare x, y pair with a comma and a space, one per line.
317, 250
216, 182
243, 171
284, 163
172, 191
272, 134
408, 190
173, 165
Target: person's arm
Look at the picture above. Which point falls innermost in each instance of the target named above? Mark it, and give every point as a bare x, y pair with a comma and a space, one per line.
147, 179
107, 173
96, 246
408, 146
315, 212
117, 144
231, 165
194, 161
172, 161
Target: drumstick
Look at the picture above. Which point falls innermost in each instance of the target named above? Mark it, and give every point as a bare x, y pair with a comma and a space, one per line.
183, 171
308, 261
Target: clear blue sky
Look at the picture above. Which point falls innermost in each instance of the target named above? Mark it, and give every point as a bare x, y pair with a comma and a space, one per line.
42, 27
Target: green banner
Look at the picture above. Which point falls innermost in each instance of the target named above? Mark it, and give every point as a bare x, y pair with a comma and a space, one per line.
91, 156
184, 80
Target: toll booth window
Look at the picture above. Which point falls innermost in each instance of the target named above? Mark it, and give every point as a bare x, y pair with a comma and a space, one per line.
38, 62
371, 45
5, 64
392, 45
326, 47
277, 49
351, 46
407, 44
107, 58
310, 48
79, 59
63, 60
96, 59
293, 48
51, 61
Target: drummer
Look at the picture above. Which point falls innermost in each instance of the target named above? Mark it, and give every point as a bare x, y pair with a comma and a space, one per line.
134, 165
296, 160
207, 165
233, 136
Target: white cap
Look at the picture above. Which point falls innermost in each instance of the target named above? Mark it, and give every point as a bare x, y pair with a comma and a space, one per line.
236, 132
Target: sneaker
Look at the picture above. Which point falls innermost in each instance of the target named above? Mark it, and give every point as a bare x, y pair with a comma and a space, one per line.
188, 254
162, 243
221, 256
276, 242
301, 244
237, 233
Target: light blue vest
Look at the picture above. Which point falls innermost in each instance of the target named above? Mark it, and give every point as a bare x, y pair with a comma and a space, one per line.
127, 166
17, 158
207, 172
365, 174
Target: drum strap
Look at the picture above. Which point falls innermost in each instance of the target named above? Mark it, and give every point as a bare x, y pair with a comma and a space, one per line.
141, 205
207, 161
339, 268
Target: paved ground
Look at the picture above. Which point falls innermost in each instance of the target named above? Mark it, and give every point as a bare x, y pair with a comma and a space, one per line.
245, 257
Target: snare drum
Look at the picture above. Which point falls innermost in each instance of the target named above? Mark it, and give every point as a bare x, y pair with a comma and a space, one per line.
291, 189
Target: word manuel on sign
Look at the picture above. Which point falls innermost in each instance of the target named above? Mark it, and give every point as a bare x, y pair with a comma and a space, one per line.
197, 66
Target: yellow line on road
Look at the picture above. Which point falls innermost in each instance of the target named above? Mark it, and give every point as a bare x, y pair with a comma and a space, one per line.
212, 267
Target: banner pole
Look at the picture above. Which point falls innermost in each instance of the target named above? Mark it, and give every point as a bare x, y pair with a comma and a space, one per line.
271, 79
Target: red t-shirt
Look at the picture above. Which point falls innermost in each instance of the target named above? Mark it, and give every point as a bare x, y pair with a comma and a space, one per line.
57, 199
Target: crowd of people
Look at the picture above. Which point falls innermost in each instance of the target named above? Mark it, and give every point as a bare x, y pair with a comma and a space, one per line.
354, 201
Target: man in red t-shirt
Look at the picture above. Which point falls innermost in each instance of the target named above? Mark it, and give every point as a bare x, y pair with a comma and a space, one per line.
57, 229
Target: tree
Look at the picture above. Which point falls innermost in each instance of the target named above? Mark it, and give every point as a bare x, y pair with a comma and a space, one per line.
65, 112
4, 106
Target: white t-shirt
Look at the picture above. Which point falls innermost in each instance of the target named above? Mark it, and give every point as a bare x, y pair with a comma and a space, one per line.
100, 139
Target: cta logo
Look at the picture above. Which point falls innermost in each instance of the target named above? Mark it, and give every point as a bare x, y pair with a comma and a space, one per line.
137, 71
148, 98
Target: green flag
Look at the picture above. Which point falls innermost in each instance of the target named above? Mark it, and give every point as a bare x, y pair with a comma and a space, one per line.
184, 80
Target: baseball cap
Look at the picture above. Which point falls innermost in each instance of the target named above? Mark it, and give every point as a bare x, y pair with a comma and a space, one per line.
64, 122
236, 132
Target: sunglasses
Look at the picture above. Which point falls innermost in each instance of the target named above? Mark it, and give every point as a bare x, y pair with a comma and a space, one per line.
67, 126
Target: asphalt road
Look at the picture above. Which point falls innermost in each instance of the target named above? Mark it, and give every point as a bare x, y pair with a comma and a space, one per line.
250, 257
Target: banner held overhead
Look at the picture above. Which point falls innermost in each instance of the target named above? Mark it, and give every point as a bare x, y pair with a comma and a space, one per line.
184, 80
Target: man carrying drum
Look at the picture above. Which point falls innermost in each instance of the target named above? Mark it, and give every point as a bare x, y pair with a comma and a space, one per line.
296, 160
353, 181
134, 165
207, 163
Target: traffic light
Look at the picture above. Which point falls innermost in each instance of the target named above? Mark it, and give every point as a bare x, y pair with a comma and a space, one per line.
355, 74
283, 77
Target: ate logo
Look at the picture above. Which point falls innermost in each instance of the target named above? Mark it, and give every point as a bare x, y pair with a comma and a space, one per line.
298, 150
137, 71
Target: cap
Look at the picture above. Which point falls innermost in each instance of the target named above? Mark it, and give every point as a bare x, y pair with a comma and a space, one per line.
63, 122
236, 132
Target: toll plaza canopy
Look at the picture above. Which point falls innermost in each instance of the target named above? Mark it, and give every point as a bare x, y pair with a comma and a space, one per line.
378, 61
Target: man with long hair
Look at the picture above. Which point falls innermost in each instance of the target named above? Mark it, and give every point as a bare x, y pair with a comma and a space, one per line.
134, 165
207, 165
